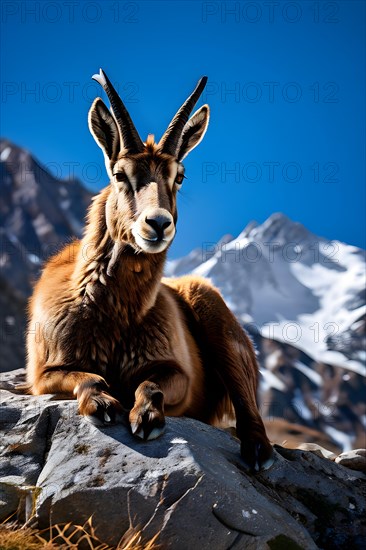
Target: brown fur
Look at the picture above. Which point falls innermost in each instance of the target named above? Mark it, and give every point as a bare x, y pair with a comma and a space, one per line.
104, 326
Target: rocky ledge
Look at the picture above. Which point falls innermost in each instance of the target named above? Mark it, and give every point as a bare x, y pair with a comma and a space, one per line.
190, 485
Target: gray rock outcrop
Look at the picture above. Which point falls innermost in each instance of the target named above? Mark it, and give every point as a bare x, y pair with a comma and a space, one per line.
190, 485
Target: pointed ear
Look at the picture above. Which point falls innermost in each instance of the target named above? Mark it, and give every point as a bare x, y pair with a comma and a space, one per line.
104, 129
193, 131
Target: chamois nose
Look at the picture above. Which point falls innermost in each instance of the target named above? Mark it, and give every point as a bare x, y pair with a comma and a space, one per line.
159, 224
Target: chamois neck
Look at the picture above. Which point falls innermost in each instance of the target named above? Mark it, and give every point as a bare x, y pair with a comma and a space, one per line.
111, 274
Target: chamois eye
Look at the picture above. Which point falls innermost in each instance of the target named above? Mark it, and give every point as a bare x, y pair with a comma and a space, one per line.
120, 177
179, 179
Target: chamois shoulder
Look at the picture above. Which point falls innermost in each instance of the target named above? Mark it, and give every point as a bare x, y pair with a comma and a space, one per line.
64, 257
193, 286
57, 272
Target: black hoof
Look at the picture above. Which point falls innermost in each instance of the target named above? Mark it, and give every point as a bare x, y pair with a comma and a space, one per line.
257, 456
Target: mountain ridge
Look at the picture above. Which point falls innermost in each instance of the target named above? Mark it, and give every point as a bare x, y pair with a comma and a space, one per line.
39, 214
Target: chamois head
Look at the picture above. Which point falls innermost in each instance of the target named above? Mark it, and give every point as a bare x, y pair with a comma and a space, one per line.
141, 208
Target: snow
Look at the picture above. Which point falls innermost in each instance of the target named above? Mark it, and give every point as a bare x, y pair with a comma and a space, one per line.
300, 406
357, 325
310, 373
34, 259
65, 204
270, 380
272, 359
204, 269
41, 225
12, 238
344, 440
5, 154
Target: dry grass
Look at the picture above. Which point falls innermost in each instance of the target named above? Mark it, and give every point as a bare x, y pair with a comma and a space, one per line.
66, 537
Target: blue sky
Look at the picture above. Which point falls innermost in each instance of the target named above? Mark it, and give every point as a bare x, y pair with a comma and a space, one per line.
286, 91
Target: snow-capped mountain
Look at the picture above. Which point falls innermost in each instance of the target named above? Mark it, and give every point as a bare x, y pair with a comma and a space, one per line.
302, 298
38, 213
295, 287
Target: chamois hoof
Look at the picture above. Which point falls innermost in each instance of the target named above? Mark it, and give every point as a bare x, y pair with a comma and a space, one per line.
95, 420
98, 407
147, 419
108, 419
144, 433
257, 456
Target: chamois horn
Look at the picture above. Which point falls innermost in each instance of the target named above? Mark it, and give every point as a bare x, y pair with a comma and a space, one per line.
169, 141
130, 138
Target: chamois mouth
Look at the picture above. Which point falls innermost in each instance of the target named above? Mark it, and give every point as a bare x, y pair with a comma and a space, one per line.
153, 245
153, 240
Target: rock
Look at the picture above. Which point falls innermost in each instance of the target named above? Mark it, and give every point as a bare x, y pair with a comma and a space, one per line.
189, 485
318, 450
356, 460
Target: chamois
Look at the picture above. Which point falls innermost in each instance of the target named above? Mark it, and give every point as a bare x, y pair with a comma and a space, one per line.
105, 327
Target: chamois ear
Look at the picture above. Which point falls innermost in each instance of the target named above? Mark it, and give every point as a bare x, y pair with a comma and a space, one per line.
103, 128
193, 131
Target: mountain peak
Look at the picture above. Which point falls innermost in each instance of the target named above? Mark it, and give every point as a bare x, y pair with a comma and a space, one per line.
277, 228
280, 229
248, 230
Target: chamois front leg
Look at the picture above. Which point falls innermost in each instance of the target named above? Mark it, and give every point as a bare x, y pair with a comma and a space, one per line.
164, 390
91, 391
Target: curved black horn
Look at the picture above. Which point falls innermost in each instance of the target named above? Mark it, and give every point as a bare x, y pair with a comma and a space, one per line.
169, 141
130, 138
